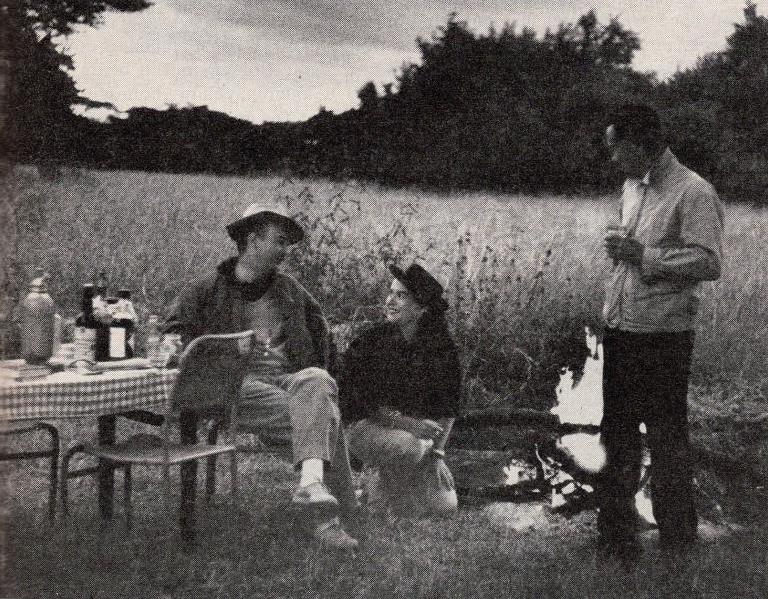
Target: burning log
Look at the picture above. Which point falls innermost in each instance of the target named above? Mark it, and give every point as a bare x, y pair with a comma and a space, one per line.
483, 476
523, 492
566, 467
525, 417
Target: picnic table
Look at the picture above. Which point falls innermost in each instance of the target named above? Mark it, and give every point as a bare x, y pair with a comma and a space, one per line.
136, 394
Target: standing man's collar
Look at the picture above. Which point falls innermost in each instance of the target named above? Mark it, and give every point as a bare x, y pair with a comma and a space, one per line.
660, 168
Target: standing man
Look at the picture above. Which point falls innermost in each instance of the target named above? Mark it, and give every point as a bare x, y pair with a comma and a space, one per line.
670, 240
288, 394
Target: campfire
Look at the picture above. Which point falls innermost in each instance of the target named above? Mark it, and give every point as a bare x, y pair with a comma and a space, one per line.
557, 479
563, 473
581, 403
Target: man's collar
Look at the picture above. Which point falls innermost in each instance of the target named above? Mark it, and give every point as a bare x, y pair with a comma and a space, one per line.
660, 167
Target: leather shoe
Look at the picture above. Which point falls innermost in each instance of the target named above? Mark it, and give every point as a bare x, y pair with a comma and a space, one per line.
330, 534
677, 548
626, 552
314, 495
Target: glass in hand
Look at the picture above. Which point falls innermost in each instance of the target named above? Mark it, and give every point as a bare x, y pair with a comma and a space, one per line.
264, 336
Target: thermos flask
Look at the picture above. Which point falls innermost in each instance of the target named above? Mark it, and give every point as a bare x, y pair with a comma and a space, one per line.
37, 322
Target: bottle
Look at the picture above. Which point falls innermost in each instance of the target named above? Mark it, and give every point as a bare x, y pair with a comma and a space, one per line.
102, 313
37, 322
152, 345
118, 333
130, 312
101, 287
122, 326
103, 307
85, 328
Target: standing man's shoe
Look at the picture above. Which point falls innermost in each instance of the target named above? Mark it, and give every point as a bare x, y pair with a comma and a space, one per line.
627, 552
677, 548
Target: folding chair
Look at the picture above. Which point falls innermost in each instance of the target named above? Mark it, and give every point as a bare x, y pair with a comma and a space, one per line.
52, 452
211, 372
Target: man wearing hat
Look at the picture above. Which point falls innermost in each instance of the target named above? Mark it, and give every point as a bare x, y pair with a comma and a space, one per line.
288, 394
400, 385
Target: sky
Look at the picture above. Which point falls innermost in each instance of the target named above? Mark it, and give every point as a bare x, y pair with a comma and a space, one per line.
281, 60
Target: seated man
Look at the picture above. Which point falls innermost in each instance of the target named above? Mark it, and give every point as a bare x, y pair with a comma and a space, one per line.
288, 395
400, 384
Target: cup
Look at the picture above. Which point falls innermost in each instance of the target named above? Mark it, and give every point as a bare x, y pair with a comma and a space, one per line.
65, 353
170, 348
619, 231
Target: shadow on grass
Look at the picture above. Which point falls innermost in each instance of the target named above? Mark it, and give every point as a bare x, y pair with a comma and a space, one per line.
255, 550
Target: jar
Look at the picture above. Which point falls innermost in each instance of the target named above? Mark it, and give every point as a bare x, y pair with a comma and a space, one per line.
170, 349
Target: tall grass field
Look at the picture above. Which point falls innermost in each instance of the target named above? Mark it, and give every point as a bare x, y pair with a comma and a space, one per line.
524, 276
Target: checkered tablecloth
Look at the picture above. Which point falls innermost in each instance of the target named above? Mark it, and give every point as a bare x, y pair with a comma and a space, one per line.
73, 395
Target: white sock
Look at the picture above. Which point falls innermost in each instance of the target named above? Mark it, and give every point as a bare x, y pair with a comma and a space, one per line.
311, 472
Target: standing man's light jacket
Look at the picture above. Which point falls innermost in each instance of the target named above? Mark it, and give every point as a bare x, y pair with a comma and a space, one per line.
678, 218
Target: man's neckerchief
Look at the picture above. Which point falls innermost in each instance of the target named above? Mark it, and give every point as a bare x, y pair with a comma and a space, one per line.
253, 290
250, 290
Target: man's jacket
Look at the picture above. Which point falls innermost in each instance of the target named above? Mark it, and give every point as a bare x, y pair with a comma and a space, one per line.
217, 304
420, 377
678, 218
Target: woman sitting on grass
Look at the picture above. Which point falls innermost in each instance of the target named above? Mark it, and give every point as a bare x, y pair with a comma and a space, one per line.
400, 386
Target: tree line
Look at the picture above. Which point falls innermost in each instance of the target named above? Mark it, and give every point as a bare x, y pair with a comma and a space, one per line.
505, 109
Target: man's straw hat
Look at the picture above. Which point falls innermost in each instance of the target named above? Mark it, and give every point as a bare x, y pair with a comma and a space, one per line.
256, 213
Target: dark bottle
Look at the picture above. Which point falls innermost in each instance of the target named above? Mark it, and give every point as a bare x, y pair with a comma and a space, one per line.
101, 307
85, 328
122, 326
102, 312
102, 342
130, 311
101, 286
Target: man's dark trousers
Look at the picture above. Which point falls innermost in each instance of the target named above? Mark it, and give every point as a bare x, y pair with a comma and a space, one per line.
645, 379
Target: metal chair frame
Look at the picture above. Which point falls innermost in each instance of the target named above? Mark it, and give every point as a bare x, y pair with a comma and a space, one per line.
17, 428
158, 450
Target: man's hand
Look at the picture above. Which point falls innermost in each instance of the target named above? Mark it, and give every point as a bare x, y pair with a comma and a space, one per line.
624, 249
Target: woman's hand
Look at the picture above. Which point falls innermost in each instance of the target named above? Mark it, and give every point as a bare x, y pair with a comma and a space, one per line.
420, 428
427, 429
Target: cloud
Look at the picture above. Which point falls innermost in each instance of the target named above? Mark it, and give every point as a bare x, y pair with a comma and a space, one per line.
354, 23
163, 55
387, 24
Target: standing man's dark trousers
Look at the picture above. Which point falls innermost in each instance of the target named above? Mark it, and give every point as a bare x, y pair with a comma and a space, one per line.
645, 379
